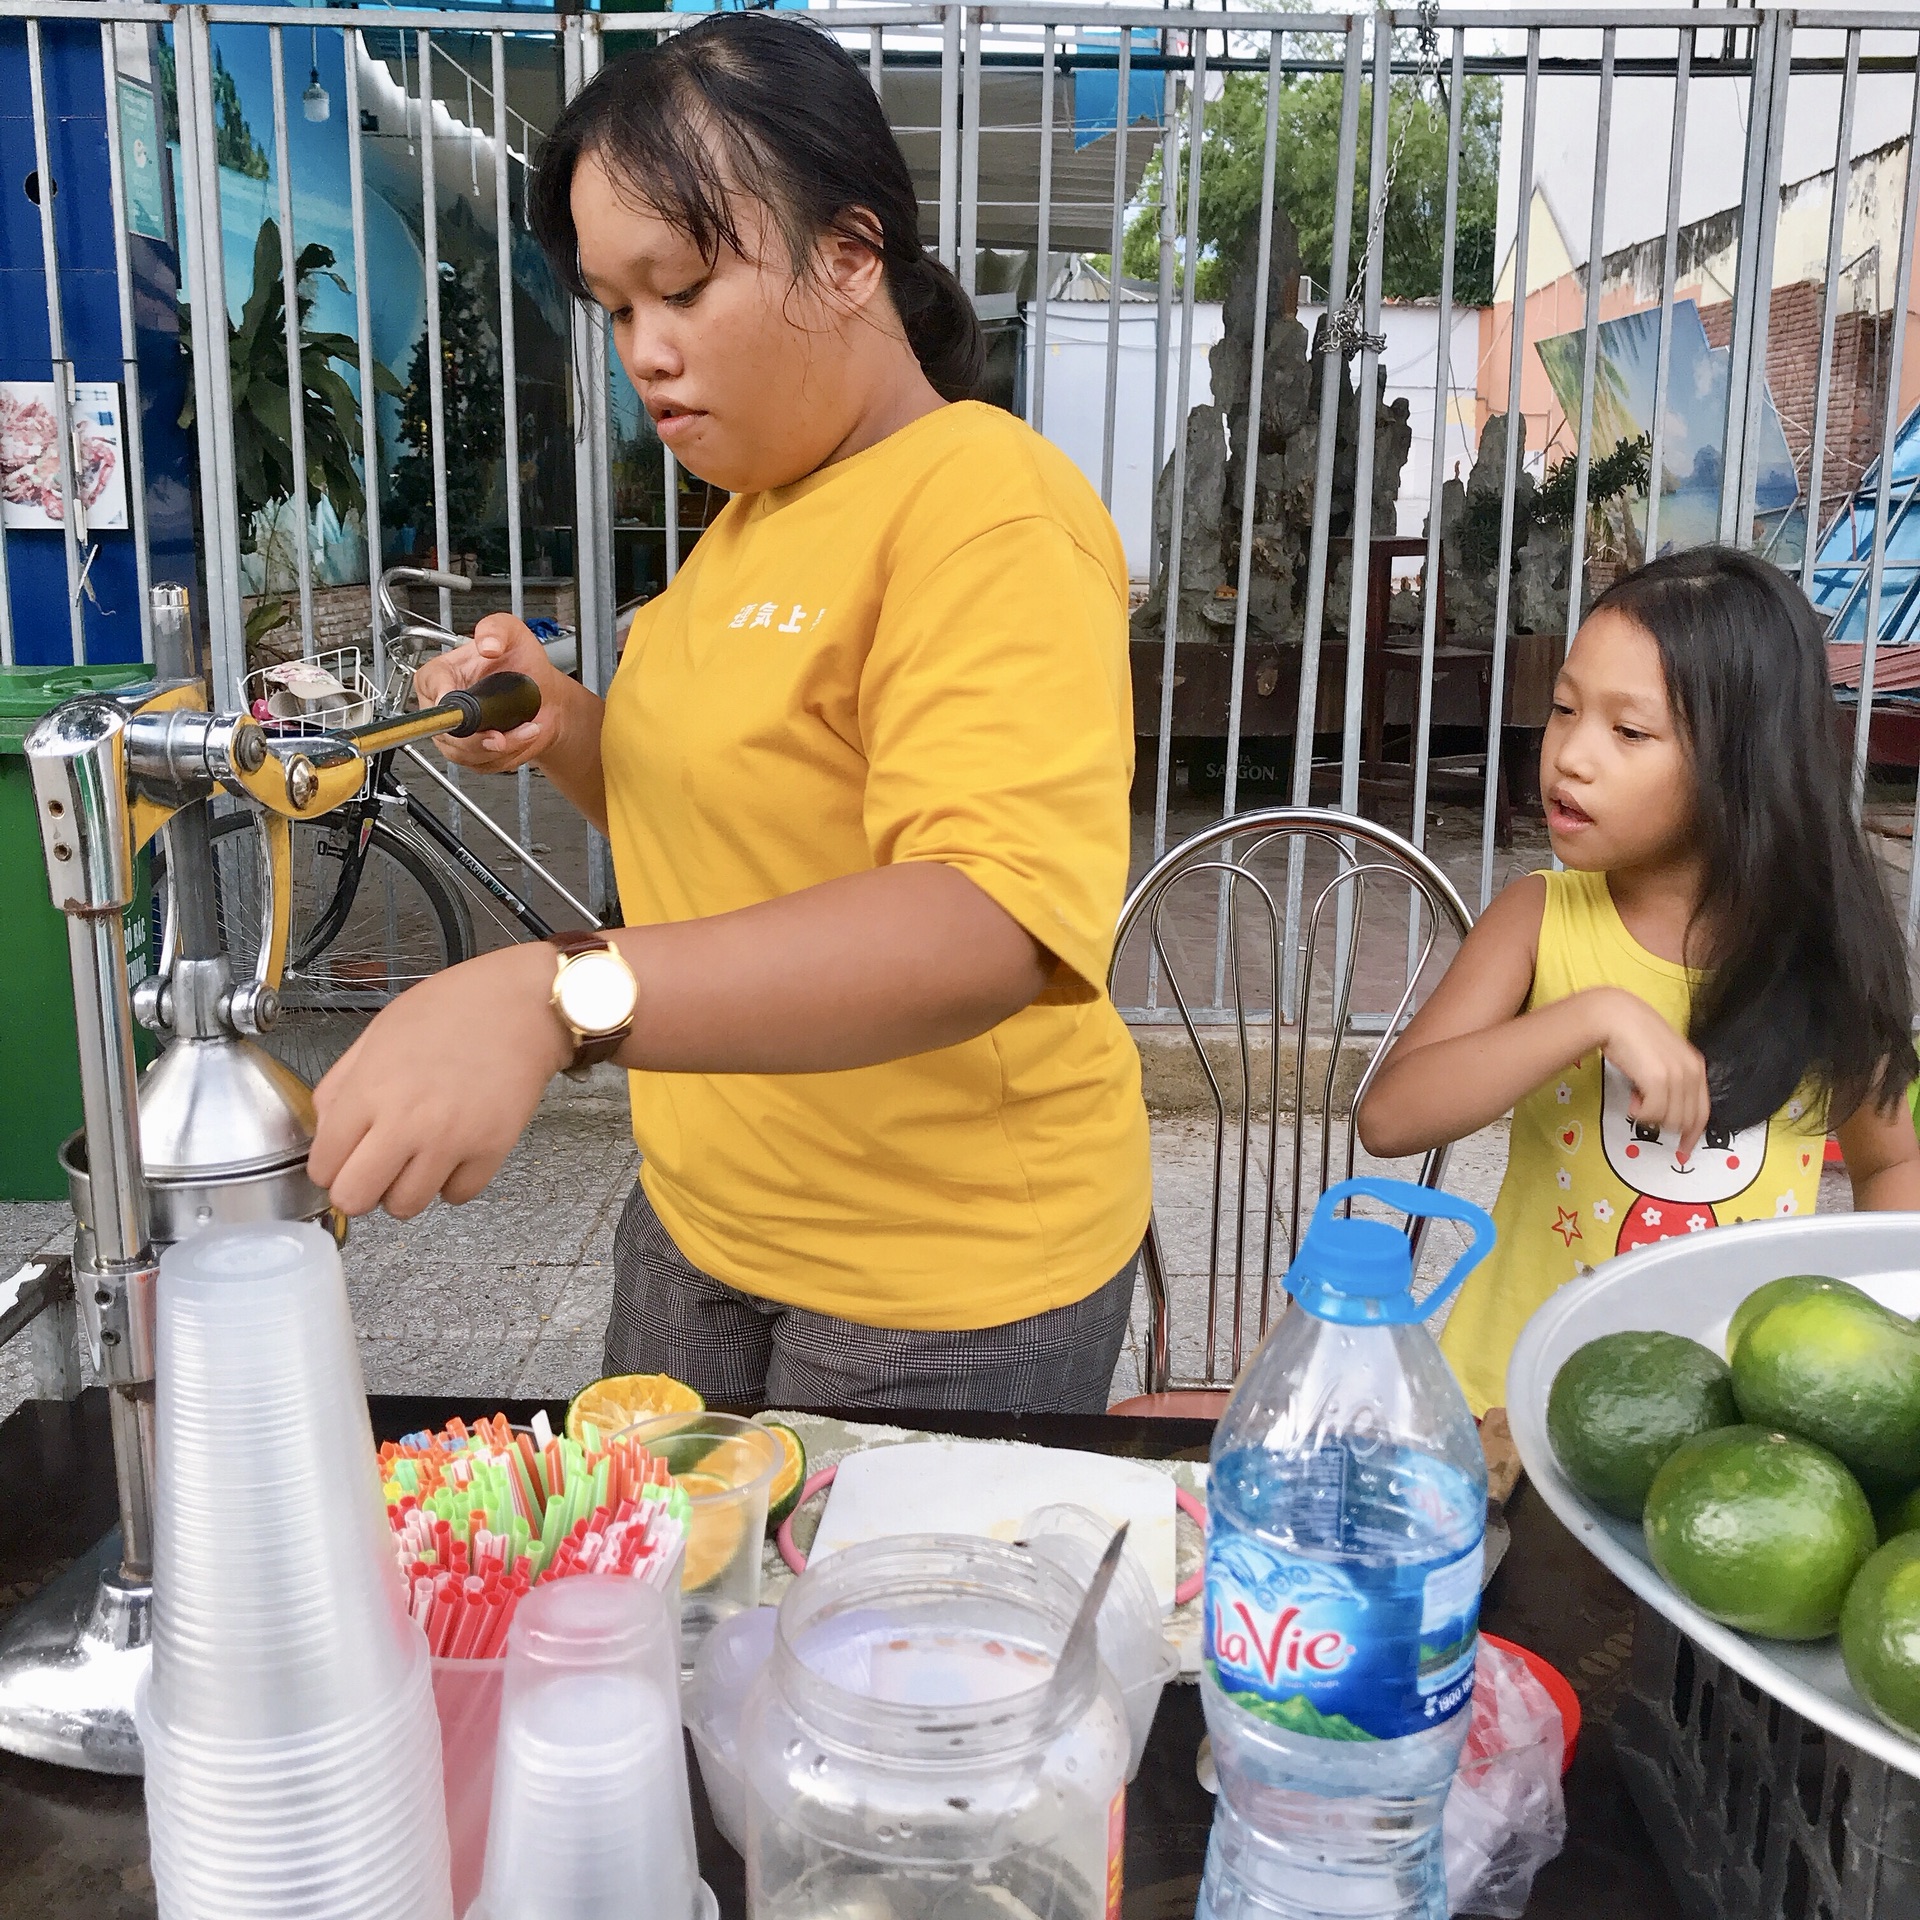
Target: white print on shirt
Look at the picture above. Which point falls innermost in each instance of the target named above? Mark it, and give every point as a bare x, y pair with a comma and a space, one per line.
1721, 1168
760, 614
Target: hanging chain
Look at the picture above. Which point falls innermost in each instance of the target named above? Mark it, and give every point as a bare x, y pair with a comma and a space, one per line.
1346, 332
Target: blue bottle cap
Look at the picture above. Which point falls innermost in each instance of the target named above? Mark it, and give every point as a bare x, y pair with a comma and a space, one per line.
1359, 1273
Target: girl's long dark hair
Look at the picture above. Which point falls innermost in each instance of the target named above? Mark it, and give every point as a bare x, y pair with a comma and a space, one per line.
1808, 972
770, 107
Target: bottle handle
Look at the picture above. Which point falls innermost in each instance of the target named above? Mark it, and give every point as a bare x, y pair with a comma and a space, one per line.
1426, 1203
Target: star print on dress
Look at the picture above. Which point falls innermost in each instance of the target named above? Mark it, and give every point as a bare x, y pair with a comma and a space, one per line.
1567, 1225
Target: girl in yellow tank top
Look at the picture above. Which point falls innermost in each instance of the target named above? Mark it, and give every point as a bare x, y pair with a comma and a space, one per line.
1675, 1020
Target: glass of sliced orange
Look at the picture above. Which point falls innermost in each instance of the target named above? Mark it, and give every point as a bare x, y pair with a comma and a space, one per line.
726, 1467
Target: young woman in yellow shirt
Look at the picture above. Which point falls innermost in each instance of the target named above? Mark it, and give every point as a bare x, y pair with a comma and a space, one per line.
864, 768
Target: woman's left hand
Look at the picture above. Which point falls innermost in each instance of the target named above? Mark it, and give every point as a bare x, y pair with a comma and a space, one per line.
433, 1096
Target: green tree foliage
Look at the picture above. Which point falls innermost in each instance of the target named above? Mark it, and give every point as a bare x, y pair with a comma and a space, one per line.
470, 366
234, 144
1305, 169
262, 409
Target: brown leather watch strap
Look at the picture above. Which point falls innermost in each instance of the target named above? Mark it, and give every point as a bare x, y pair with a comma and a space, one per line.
591, 1050
579, 940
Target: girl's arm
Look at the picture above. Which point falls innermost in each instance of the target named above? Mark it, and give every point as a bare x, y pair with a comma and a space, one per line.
1470, 1053
1883, 1158
562, 739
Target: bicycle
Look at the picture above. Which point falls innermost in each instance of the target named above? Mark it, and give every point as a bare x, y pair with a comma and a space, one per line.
384, 888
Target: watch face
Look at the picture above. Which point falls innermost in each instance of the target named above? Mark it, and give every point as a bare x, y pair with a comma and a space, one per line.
596, 993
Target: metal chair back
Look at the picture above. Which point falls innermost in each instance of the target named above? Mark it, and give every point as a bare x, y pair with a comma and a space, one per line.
1248, 939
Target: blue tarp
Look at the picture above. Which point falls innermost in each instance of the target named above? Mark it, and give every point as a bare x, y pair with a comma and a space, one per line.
1096, 90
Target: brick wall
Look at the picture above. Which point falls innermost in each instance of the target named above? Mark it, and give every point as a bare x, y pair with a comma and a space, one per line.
342, 616
1857, 390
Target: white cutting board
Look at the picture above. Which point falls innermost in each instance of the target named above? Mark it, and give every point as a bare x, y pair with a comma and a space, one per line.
968, 1486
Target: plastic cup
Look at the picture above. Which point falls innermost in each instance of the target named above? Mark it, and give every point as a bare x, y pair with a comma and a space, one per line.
726, 1466
292, 1750
1132, 1642
278, 1603
591, 1819
731, 1660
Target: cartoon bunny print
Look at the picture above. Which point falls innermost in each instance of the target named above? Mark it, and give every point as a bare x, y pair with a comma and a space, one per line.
1673, 1196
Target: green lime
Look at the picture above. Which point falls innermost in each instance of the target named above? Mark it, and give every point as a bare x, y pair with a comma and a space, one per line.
1840, 1369
1896, 1513
789, 1477
1761, 1298
1880, 1633
1620, 1406
1760, 1530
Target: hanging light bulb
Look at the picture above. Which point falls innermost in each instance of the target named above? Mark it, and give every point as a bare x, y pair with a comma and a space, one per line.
314, 102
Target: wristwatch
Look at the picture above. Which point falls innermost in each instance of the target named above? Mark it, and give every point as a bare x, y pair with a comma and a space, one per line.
595, 997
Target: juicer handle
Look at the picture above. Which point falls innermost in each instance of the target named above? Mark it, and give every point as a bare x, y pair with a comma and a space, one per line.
1427, 1203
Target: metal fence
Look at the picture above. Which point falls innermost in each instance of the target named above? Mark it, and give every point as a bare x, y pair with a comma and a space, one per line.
980, 96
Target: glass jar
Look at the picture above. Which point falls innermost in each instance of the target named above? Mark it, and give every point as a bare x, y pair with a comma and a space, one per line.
907, 1757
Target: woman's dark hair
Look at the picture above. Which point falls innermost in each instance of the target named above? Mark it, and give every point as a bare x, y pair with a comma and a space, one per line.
770, 107
1808, 972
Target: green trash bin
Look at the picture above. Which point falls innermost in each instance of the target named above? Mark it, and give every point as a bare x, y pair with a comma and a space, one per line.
39, 1056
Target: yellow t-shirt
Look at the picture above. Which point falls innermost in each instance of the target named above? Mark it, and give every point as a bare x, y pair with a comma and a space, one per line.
918, 653
1583, 1181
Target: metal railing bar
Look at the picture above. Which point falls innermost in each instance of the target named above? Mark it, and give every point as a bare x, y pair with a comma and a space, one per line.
970, 153
1163, 294
296, 365
949, 133
1115, 269
1740, 341
509, 396
131, 433
1183, 390
1590, 336
213, 403
1767, 221
1043, 240
71, 505
1256, 376
436, 370
1368, 394
1332, 378
1436, 483
350, 50
1503, 570
1669, 274
1829, 305
1883, 492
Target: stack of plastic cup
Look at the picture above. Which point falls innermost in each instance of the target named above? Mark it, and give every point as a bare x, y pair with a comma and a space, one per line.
292, 1750
1132, 1641
591, 1818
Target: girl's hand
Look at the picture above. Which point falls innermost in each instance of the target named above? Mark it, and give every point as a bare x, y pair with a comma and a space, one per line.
432, 1097
1668, 1072
500, 644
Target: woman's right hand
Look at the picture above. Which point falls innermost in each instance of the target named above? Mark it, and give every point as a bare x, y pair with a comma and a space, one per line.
1668, 1072
500, 644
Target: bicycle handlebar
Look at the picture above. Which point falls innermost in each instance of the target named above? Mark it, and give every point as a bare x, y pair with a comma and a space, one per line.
497, 704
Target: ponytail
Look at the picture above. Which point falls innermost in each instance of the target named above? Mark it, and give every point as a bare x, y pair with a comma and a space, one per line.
941, 326
774, 108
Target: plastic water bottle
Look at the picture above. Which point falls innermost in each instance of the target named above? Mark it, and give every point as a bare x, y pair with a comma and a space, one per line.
1347, 1507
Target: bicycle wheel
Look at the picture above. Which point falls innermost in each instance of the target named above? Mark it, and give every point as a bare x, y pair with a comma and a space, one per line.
407, 920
